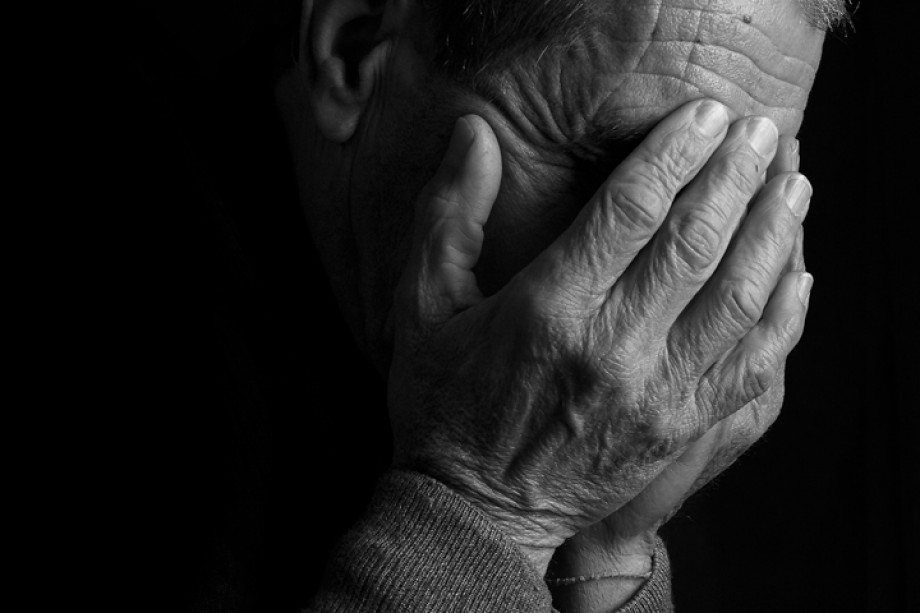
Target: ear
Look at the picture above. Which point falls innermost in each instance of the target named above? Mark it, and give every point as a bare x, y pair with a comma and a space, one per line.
346, 46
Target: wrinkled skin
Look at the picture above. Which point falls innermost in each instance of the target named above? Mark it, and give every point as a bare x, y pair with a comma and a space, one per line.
631, 85
650, 59
623, 542
557, 400
757, 58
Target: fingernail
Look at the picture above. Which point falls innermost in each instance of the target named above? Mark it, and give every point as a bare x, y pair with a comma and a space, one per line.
762, 135
795, 154
804, 287
711, 118
460, 142
798, 194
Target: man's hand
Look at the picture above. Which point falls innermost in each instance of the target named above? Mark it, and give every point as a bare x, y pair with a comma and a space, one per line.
554, 402
623, 543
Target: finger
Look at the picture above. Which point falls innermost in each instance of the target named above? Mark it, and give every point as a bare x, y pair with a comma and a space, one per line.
734, 298
748, 370
698, 229
451, 212
796, 262
786, 158
625, 212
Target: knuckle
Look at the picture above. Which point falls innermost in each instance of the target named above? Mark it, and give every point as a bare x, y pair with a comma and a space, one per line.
661, 436
738, 172
709, 401
556, 316
532, 302
741, 304
671, 166
635, 206
696, 238
756, 378
666, 410
681, 157
786, 332
773, 232
683, 347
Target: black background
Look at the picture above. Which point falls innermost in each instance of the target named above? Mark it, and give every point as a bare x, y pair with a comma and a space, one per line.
263, 430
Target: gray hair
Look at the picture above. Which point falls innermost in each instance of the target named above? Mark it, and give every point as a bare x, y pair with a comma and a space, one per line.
828, 15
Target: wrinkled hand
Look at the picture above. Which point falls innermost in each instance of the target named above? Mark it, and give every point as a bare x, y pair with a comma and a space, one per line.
624, 542
554, 402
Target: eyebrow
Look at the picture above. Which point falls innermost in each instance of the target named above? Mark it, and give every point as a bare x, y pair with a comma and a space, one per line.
827, 15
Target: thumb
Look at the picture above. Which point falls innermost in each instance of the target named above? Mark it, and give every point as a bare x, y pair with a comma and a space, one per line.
450, 214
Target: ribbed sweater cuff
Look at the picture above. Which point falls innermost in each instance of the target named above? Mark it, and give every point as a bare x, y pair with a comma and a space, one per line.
655, 594
421, 547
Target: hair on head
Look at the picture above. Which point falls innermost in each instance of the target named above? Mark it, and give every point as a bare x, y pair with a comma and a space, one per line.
472, 36
828, 15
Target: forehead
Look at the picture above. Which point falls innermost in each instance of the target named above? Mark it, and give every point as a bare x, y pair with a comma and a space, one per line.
566, 114
640, 60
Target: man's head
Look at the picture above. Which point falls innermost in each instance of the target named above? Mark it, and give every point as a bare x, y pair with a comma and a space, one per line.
568, 86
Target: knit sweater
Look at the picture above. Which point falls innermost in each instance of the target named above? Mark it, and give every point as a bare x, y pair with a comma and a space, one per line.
422, 547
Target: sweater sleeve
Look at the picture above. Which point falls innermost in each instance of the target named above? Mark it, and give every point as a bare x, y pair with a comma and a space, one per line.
655, 594
422, 547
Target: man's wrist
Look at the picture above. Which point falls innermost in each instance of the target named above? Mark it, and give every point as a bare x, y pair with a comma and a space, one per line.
534, 541
594, 575
587, 555
602, 566
538, 538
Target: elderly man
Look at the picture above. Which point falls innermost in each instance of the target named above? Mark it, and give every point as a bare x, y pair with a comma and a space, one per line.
561, 374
